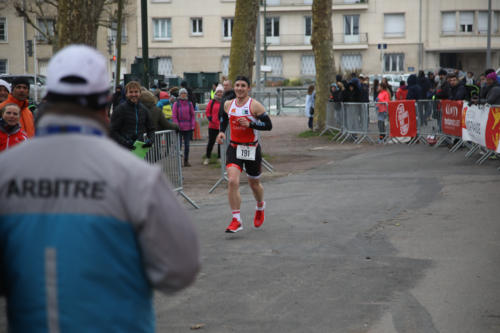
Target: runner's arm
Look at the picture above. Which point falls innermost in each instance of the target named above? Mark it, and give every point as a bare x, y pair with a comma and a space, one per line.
224, 119
263, 122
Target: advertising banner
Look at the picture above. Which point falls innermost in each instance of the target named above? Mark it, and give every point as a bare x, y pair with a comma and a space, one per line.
474, 120
451, 117
402, 118
493, 129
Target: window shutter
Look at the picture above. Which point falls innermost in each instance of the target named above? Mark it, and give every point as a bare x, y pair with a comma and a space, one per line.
449, 23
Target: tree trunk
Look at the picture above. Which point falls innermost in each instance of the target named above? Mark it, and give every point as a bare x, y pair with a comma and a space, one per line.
243, 39
119, 42
78, 21
322, 44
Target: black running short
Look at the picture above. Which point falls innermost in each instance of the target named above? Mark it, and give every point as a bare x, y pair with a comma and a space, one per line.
252, 168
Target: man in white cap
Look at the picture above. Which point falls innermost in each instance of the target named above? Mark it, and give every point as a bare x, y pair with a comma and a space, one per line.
87, 229
4, 90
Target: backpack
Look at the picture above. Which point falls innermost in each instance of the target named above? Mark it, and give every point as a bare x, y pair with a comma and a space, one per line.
167, 111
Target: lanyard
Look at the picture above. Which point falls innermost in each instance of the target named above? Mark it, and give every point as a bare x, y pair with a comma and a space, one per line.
65, 129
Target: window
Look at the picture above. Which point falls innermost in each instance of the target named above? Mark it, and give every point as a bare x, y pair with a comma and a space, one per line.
466, 21
3, 29
394, 25
272, 26
482, 23
351, 28
308, 25
273, 2
308, 66
225, 65
162, 29
351, 62
276, 64
42, 66
272, 30
3, 66
112, 31
47, 26
165, 66
448, 23
394, 62
196, 26
227, 27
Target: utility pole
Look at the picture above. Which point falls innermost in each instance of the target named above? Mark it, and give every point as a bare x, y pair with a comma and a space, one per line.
145, 55
25, 39
420, 46
118, 42
488, 40
265, 40
35, 69
257, 53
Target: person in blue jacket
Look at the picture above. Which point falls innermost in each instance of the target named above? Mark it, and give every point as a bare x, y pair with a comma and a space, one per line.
87, 229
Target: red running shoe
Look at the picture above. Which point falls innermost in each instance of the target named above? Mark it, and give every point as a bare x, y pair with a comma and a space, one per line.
234, 226
259, 218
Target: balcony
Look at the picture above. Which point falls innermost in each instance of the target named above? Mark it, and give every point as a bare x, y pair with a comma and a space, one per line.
303, 42
305, 5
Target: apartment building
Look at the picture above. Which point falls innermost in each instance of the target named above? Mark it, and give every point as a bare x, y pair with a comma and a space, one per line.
370, 36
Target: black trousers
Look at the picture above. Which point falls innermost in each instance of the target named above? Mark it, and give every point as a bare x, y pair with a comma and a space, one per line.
212, 135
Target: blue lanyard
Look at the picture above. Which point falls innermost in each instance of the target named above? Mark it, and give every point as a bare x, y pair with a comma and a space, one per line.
64, 129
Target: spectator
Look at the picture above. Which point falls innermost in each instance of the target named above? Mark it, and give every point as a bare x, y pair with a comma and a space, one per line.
341, 91
163, 94
486, 88
352, 93
212, 112
4, 90
10, 130
228, 95
130, 121
309, 107
414, 90
365, 89
389, 88
335, 93
118, 96
469, 79
213, 90
433, 82
402, 91
493, 96
376, 83
183, 115
20, 90
158, 120
383, 98
457, 91
97, 229
424, 84
191, 97
443, 87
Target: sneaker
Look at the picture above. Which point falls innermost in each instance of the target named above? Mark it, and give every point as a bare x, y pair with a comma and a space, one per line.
234, 226
259, 218
205, 162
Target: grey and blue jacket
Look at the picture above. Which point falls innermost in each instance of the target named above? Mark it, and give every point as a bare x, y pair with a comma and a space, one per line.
87, 231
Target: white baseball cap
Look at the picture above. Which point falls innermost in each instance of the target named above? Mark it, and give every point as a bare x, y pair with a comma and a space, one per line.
78, 71
5, 84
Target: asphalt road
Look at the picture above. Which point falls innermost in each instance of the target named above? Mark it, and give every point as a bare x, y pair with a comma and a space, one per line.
393, 239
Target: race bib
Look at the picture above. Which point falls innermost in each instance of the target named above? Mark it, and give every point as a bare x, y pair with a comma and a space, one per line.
246, 152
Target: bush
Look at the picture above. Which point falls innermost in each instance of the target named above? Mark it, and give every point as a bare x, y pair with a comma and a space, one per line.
296, 82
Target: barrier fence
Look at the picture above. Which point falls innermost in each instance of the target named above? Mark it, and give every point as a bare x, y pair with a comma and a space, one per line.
166, 153
431, 122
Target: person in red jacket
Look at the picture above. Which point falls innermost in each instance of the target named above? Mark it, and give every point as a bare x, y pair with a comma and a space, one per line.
10, 130
19, 95
402, 91
212, 112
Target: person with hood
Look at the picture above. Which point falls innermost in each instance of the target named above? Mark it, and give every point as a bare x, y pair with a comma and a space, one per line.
118, 96
158, 120
212, 112
10, 130
20, 90
183, 115
402, 91
424, 83
4, 90
493, 97
414, 90
457, 91
335, 93
352, 94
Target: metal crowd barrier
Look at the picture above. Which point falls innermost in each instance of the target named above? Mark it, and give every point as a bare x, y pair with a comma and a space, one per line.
356, 120
166, 153
198, 134
334, 119
428, 120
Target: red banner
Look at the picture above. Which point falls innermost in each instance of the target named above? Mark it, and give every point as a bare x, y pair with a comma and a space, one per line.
403, 119
451, 117
493, 129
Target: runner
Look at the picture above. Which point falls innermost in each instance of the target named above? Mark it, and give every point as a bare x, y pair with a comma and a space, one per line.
245, 116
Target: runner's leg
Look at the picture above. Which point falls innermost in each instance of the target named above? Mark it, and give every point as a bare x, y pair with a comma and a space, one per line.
233, 193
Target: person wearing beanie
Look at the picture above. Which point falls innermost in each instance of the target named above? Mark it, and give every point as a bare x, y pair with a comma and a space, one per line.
183, 115
212, 112
493, 96
88, 230
4, 90
19, 95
